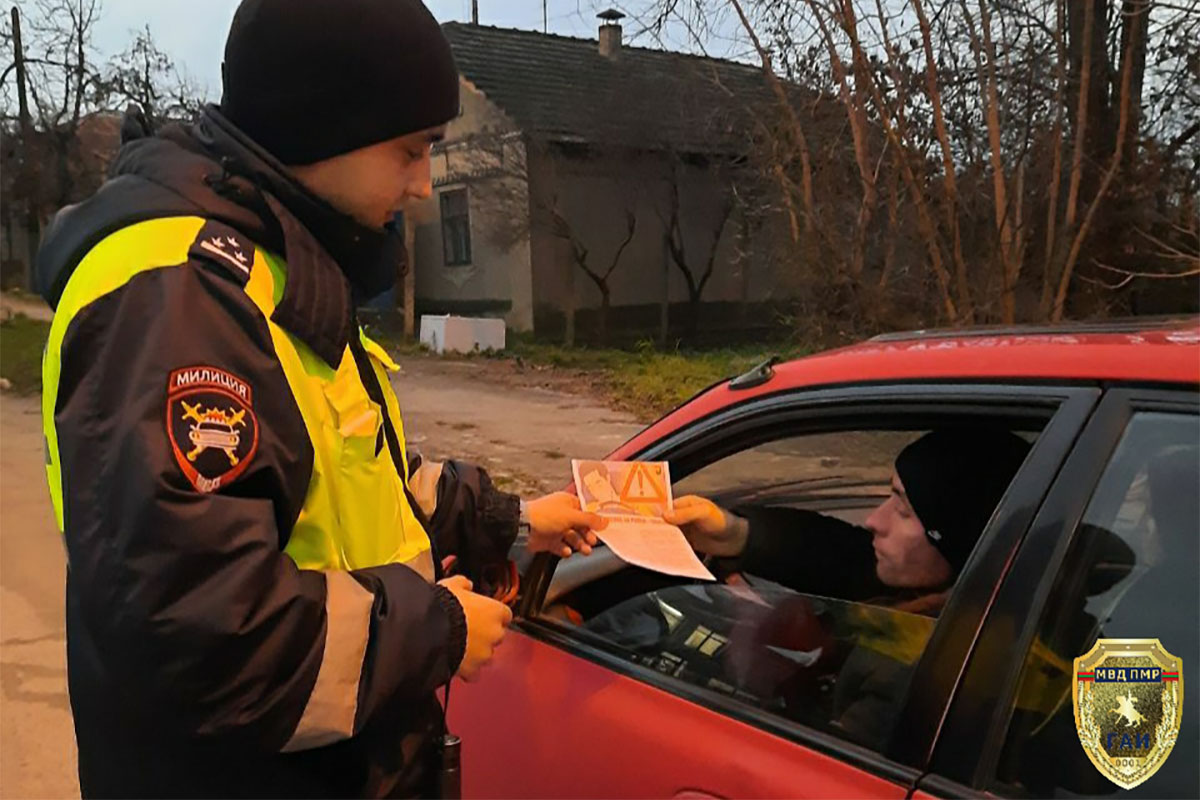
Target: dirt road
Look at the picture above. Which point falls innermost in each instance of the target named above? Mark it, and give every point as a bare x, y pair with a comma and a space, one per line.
37, 741
487, 412
29, 305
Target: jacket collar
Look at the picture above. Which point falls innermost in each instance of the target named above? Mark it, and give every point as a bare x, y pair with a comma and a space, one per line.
332, 260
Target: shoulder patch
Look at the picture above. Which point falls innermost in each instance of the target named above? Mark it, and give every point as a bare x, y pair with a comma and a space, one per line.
211, 425
220, 244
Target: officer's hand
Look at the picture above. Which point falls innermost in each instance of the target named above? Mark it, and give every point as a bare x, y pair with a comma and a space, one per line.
557, 525
708, 527
487, 622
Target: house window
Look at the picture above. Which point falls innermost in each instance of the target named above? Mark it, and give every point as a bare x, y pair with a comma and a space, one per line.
456, 228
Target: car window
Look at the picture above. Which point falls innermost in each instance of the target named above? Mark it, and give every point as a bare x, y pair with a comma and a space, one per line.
837, 666
803, 627
844, 473
1131, 572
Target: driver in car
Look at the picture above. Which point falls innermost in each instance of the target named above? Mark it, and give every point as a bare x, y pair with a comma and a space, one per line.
944, 488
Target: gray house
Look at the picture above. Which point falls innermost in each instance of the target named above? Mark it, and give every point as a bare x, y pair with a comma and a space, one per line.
585, 174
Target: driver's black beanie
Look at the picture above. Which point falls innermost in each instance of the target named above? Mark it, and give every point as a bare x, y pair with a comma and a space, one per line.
312, 79
954, 478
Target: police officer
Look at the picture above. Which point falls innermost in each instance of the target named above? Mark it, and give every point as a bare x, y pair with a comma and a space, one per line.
255, 598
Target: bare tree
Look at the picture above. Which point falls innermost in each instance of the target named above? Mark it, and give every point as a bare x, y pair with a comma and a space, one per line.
1023, 193
520, 211
145, 76
60, 71
582, 257
696, 272
1118, 151
67, 86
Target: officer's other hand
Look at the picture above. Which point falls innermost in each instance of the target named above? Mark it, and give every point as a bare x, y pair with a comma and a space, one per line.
558, 525
708, 527
487, 623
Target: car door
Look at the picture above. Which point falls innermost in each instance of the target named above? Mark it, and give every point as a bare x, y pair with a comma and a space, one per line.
1111, 554
562, 712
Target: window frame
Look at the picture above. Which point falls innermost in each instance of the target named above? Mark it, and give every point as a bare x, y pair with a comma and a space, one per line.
443, 195
1064, 408
968, 753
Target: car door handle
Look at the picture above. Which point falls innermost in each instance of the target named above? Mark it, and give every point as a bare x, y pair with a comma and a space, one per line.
697, 794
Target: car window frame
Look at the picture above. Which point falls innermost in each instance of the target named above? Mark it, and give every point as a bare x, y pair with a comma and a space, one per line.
1065, 409
968, 752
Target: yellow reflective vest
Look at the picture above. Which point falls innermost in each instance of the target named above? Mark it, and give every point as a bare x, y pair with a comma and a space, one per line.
357, 512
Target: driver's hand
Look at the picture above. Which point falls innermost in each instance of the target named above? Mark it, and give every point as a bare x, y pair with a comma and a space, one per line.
708, 527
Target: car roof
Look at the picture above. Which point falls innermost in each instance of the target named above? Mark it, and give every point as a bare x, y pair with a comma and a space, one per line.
1157, 351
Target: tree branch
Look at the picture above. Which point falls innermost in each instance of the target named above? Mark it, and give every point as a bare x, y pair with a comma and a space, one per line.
806, 185
630, 228
1060, 299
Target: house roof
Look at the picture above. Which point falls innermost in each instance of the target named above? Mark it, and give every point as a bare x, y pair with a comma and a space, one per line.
563, 89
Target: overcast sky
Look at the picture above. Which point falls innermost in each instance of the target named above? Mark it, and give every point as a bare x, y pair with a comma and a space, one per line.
193, 33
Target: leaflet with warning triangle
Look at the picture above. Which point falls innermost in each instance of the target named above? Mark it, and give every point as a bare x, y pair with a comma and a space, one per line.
632, 496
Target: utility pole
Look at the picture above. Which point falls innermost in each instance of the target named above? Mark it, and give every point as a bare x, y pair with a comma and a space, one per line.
474, 12
31, 219
19, 62
545, 25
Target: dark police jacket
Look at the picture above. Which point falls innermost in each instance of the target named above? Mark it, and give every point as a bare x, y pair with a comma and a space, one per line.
252, 550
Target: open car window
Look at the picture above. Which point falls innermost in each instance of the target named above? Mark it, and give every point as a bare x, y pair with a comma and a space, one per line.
810, 635
837, 472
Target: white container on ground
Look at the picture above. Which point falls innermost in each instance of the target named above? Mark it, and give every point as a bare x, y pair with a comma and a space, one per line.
444, 332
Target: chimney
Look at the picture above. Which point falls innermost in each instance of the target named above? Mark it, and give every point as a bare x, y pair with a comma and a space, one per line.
610, 32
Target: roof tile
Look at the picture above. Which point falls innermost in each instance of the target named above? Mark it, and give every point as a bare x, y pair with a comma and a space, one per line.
558, 86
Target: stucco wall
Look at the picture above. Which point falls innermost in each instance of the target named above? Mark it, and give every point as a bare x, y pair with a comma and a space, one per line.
522, 257
497, 281
594, 194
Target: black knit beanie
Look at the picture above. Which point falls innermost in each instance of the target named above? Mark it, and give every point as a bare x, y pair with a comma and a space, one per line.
312, 79
954, 478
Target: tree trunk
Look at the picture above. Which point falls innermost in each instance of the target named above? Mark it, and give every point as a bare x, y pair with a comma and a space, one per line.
569, 308
893, 228
744, 263
602, 322
1091, 75
857, 118
693, 322
1080, 41
1056, 136
986, 67
1060, 298
664, 305
1134, 37
949, 169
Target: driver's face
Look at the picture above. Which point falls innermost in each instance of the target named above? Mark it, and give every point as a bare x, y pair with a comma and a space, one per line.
904, 556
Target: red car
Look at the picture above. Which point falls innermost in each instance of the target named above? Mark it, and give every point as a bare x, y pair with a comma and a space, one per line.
616, 682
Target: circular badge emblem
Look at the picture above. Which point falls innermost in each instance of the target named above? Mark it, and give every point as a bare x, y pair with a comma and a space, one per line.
211, 425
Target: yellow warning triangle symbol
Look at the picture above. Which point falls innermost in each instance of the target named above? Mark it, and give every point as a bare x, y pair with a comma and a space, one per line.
643, 484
